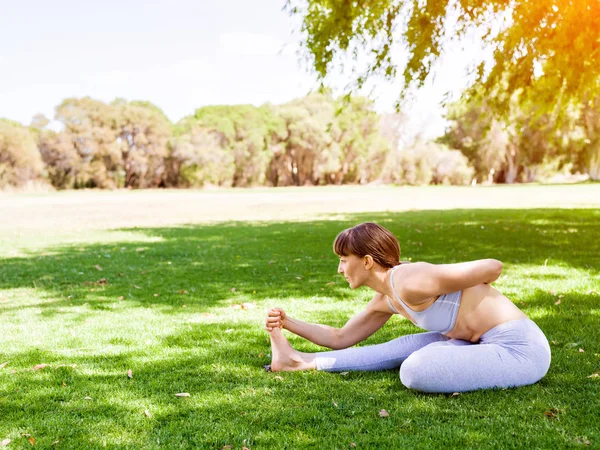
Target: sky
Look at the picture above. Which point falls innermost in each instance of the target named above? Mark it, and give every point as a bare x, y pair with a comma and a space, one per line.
178, 54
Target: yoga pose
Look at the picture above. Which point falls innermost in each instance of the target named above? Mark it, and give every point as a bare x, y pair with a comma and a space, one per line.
476, 339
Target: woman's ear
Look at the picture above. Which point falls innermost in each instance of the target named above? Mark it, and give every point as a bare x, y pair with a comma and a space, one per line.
368, 262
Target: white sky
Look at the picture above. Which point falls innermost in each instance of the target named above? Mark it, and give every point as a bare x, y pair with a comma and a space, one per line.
178, 54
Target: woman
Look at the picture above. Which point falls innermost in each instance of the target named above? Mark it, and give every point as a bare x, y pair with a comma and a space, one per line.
476, 339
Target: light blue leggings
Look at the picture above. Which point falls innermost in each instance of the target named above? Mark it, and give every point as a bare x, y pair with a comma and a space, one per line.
515, 353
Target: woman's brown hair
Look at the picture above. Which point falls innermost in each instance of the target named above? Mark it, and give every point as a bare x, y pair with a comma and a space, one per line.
369, 239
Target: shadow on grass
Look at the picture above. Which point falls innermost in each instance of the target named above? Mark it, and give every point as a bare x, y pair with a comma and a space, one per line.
216, 264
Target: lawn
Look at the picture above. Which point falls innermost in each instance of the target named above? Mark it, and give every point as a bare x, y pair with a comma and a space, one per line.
112, 303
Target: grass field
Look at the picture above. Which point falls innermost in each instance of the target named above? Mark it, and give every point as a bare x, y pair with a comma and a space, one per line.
173, 286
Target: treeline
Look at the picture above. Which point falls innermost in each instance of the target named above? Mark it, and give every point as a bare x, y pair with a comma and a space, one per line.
314, 140
525, 142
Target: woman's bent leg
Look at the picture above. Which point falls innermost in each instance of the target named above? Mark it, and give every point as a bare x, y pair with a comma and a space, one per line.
513, 354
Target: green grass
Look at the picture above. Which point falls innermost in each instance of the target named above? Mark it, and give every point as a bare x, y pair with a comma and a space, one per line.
165, 305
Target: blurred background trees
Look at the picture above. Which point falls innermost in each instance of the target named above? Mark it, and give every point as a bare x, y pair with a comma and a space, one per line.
318, 139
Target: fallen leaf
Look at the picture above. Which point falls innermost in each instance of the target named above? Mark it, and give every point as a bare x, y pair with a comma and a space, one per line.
581, 350
344, 373
595, 375
88, 398
260, 355
384, 413
5, 442
40, 366
98, 267
181, 291
64, 384
130, 373
455, 394
279, 378
557, 302
55, 442
3, 365
551, 413
182, 394
156, 295
136, 286
31, 440
147, 413
352, 445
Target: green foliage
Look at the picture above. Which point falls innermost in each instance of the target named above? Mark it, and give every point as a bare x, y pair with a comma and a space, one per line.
20, 160
527, 38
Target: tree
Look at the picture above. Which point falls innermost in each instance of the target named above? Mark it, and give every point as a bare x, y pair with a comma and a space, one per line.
85, 153
246, 133
311, 154
198, 158
363, 147
528, 39
142, 134
20, 160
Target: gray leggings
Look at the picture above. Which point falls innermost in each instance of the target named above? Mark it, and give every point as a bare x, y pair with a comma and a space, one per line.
514, 353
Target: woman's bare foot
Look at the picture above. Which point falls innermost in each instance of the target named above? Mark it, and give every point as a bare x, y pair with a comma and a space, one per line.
285, 358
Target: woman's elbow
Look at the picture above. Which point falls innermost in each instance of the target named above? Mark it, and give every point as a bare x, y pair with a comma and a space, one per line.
338, 342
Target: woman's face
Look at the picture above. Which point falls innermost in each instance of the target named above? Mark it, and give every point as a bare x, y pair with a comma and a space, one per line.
353, 269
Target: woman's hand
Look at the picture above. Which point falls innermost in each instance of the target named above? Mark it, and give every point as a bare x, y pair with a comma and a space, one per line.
275, 319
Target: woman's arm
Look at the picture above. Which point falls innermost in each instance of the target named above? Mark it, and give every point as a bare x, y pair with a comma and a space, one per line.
355, 330
421, 281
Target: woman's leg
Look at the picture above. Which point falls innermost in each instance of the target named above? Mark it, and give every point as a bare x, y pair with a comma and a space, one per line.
371, 357
513, 354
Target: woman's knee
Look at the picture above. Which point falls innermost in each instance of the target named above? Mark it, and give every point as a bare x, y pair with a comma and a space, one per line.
412, 373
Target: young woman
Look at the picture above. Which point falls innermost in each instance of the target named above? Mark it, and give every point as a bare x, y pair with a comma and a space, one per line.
476, 339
